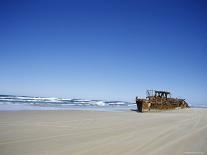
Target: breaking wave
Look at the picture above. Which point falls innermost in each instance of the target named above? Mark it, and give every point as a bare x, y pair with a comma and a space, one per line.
53, 102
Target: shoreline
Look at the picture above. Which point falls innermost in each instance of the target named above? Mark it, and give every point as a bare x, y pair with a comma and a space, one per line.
19, 107
102, 109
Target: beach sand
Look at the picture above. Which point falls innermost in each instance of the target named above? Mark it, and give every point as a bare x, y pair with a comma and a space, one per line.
100, 133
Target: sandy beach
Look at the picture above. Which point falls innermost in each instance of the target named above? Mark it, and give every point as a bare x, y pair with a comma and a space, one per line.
99, 133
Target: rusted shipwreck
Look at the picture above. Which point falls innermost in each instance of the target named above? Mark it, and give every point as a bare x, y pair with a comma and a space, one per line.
159, 100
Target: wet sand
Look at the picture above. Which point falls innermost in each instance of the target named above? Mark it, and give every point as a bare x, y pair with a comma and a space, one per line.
100, 133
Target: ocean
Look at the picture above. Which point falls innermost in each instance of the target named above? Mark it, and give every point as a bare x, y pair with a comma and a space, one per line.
17, 103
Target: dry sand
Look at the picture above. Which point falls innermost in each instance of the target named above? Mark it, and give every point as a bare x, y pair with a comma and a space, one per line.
111, 133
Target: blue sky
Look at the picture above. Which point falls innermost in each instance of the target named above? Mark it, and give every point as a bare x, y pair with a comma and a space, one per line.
104, 49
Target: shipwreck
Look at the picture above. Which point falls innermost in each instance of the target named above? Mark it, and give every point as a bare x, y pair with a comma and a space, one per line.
159, 100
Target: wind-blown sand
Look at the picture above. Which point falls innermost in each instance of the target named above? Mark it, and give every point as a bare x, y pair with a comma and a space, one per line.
95, 133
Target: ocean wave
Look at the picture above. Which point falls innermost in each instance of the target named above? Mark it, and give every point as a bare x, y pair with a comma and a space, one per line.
6, 99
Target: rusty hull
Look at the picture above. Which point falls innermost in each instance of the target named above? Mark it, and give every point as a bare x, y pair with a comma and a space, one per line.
160, 100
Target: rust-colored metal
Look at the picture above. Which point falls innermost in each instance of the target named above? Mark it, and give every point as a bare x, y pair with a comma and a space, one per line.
159, 100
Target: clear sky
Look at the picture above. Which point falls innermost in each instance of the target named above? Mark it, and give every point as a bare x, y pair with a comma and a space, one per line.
104, 49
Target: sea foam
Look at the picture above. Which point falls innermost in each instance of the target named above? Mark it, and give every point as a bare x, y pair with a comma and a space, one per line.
50, 103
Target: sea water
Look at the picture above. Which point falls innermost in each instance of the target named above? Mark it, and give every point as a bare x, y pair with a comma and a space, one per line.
16, 103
